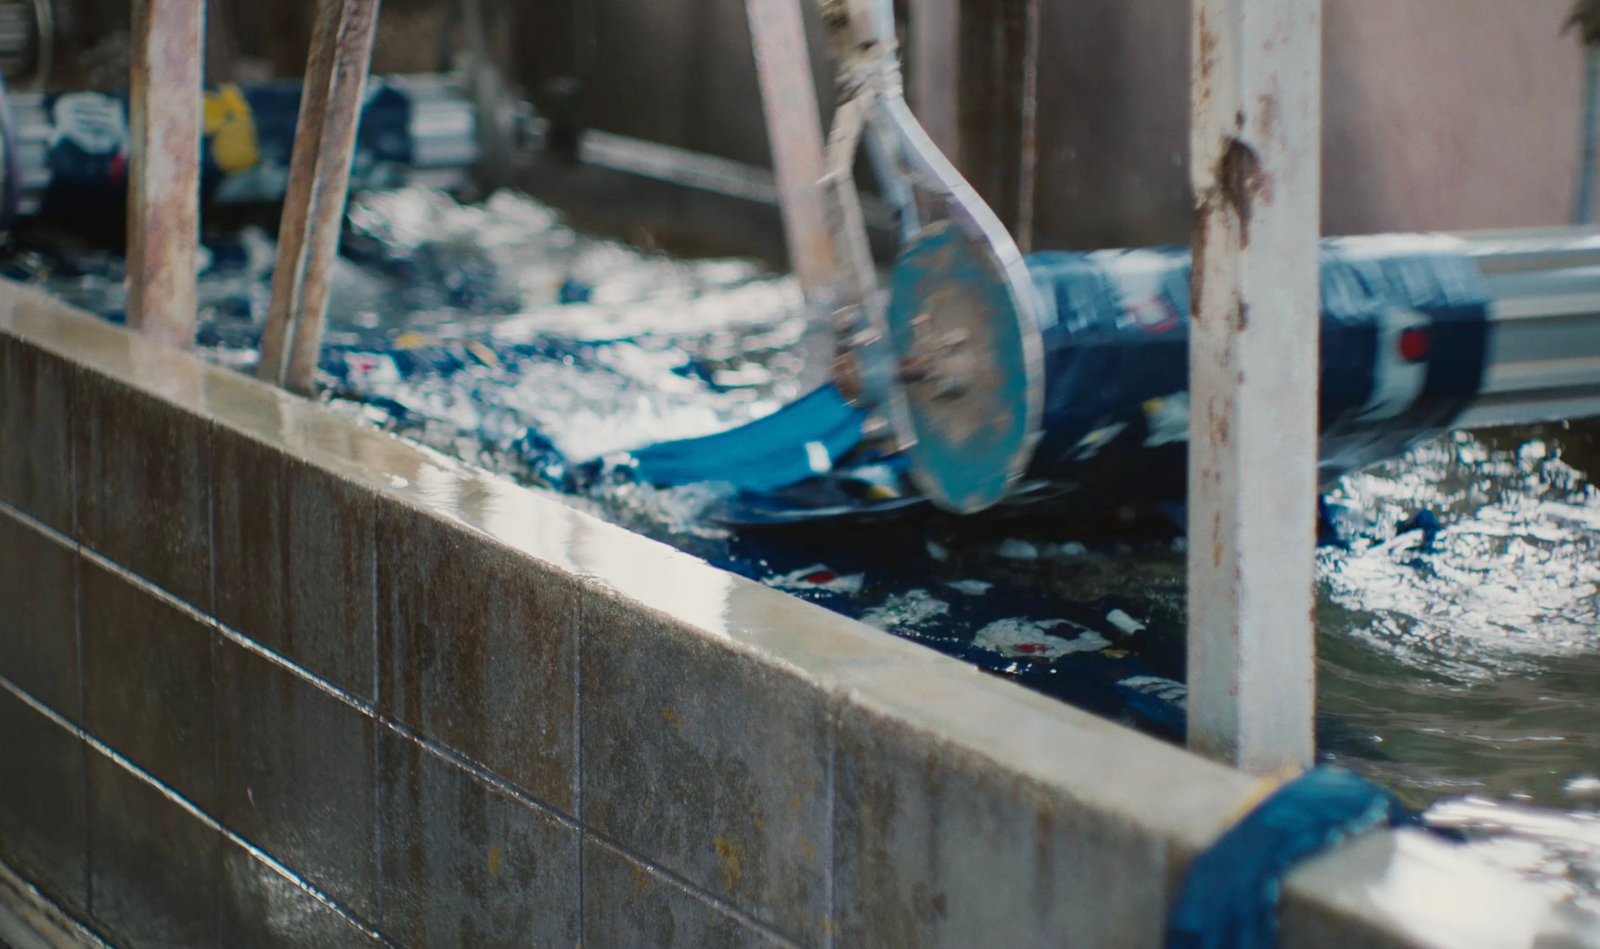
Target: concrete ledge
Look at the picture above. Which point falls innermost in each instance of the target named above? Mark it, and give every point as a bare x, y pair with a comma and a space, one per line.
387, 696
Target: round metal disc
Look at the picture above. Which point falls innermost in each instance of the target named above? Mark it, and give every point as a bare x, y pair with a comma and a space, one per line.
967, 354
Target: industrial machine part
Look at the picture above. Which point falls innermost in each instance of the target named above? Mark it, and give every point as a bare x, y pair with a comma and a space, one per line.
1072, 369
952, 358
1420, 334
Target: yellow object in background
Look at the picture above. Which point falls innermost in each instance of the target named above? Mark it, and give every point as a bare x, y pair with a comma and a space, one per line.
232, 128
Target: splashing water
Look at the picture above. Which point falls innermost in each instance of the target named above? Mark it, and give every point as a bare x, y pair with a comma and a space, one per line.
1472, 667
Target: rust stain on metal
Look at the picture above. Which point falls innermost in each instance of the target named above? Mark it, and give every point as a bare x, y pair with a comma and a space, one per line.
1208, 44
1239, 180
1267, 116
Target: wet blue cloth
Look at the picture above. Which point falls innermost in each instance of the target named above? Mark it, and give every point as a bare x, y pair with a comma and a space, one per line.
1230, 894
799, 441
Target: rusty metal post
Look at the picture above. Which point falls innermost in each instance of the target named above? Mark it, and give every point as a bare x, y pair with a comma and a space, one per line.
1255, 147
794, 132
319, 182
164, 119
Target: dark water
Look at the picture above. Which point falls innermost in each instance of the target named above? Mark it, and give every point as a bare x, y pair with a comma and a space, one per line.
1463, 674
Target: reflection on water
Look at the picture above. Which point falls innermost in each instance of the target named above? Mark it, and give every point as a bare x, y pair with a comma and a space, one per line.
1473, 666
1469, 668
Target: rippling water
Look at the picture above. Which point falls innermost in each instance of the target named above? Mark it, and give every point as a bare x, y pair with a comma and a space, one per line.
1460, 675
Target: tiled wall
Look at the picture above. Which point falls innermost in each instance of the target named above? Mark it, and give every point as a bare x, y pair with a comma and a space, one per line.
271, 678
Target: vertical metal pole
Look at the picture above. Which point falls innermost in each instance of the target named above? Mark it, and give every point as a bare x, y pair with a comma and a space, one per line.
1255, 153
936, 71
319, 182
794, 132
165, 113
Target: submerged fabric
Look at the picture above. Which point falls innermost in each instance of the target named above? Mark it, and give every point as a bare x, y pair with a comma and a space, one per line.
1230, 894
799, 441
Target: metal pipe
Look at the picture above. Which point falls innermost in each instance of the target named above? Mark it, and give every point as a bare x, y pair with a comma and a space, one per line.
164, 178
319, 182
1255, 166
794, 131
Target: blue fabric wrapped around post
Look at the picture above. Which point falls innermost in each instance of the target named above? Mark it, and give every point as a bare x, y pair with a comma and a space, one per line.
1230, 894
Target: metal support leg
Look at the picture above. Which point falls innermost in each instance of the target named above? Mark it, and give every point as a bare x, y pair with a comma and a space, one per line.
319, 182
164, 121
1253, 362
794, 131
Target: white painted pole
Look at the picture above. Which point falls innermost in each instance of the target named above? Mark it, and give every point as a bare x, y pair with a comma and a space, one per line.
794, 132
1255, 153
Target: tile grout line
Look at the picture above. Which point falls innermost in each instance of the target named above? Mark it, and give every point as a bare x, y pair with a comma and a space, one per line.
28, 520
216, 645
830, 908
83, 662
696, 892
189, 807
577, 748
377, 735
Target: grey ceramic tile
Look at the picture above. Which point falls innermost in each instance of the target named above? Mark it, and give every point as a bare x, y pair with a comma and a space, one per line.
465, 864
263, 909
144, 486
294, 560
43, 833
154, 867
148, 683
39, 603
707, 763
478, 650
626, 906
35, 426
936, 846
298, 768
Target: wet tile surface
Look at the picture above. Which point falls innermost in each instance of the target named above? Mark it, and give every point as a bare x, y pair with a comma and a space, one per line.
297, 767
478, 651
39, 606
263, 909
144, 486
294, 560
36, 466
627, 906
937, 847
707, 763
148, 677
465, 864
154, 868
43, 833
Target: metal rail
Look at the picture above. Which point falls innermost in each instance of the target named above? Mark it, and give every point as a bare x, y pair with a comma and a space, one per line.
1543, 362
